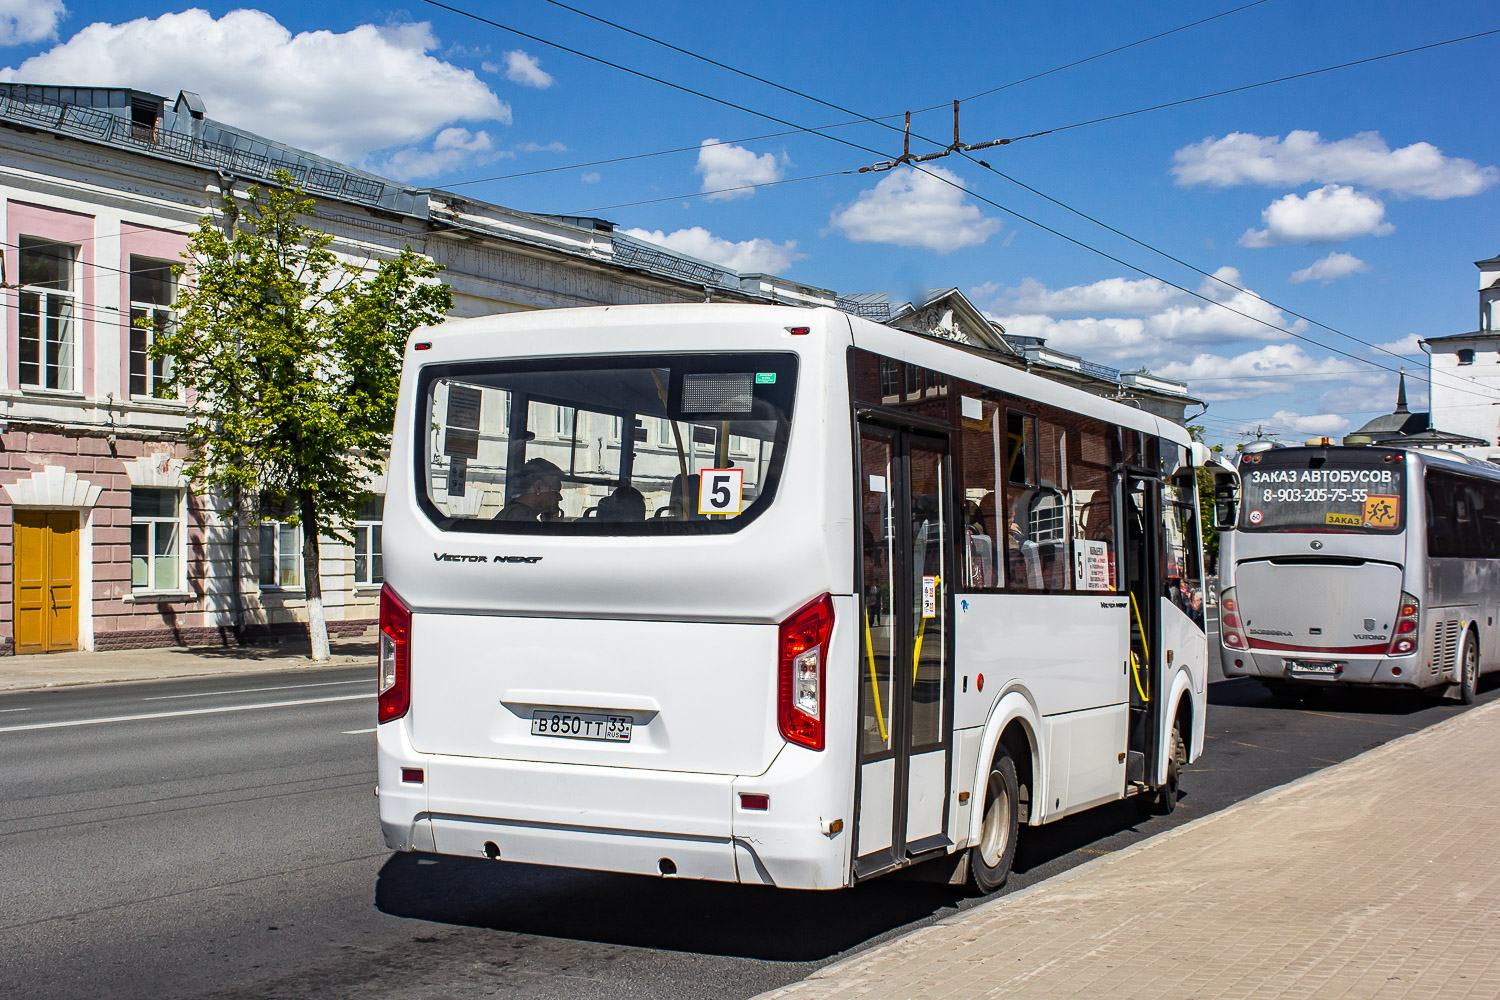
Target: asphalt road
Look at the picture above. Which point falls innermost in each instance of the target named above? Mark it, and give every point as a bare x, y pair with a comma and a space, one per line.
225, 845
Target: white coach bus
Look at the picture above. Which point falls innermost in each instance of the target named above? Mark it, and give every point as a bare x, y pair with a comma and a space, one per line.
772, 595
1362, 566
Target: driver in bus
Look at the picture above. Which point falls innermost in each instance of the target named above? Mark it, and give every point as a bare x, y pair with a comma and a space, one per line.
540, 494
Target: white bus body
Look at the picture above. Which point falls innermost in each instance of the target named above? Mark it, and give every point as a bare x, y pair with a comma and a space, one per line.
767, 744
1371, 566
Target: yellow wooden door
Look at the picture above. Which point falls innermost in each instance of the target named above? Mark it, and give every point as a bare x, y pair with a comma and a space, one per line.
46, 580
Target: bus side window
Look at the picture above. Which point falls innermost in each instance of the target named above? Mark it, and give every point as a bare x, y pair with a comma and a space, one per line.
981, 443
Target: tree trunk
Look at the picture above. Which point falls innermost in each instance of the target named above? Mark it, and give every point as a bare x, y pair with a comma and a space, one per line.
317, 624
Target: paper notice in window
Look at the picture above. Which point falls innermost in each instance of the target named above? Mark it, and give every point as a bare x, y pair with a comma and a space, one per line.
461, 430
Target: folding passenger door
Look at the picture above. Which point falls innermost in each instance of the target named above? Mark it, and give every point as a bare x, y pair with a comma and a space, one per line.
905, 689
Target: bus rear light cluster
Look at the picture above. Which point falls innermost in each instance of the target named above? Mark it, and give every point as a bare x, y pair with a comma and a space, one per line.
1404, 636
1231, 628
395, 656
800, 691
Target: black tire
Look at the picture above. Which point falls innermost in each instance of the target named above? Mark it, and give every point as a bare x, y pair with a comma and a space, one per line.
1165, 799
1468, 681
990, 859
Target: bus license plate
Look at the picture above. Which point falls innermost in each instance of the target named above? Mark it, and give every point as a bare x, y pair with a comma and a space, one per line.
582, 726
1315, 668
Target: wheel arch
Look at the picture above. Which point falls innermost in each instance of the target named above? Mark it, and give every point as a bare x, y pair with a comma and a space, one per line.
1015, 725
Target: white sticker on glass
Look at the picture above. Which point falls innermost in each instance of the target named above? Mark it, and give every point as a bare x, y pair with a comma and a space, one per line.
970, 408
929, 596
877, 484
721, 491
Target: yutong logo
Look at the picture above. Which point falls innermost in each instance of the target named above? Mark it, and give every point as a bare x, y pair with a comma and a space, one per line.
463, 558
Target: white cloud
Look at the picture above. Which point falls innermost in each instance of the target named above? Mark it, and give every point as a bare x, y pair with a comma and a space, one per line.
490, 67
526, 70
451, 148
1287, 424
757, 255
317, 90
24, 21
1327, 215
1180, 322
1419, 170
1409, 344
912, 209
592, 177
725, 167
1266, 371
1117, 295
537, 147
1331, 268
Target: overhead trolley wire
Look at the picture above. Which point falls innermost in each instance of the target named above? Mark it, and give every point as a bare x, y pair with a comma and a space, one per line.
989, 201
881, 120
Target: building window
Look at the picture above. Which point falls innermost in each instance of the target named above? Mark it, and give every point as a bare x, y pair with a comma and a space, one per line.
280, 554
156, 539
890, 378
47, 337
150, 315
369, 569
1466, 356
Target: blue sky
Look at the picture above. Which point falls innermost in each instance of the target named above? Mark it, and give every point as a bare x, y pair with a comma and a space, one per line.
1358, 198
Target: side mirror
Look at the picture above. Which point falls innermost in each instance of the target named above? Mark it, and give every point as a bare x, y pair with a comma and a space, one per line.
1226, 504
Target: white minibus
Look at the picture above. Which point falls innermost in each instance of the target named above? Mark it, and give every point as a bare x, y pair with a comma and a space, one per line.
772, 595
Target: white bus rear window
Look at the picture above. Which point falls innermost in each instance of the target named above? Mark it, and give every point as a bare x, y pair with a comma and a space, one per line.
663, 444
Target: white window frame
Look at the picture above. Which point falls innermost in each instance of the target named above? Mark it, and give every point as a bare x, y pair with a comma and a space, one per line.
368, 544
45, 297
176, 525
274, 534
161, 316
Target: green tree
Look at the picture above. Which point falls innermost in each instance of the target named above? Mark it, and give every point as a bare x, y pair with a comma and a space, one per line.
290, 360
1206, 500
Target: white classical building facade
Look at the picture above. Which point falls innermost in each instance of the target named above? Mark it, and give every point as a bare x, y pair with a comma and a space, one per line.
1464, 372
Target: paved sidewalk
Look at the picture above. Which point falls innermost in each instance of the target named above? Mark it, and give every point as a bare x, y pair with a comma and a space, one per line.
20, 673
1374, 879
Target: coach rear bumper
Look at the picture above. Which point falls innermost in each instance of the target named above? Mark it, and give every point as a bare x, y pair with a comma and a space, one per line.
1292, 665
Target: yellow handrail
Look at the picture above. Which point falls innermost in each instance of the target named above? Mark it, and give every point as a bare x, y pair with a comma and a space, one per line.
1135, 667
874, 679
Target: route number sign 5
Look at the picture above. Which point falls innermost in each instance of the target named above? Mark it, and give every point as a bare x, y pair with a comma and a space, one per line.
721, 491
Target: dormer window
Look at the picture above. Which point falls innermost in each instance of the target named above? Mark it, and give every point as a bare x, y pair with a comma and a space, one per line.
1466, 356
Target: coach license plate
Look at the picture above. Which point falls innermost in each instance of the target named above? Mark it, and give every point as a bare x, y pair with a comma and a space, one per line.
1315, 668
582, 726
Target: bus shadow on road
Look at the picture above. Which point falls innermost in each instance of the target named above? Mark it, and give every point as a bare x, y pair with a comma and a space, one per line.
752, 922
1242, 692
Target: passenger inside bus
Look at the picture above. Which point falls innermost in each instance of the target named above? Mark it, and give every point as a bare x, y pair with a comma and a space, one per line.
538, 495
625, 504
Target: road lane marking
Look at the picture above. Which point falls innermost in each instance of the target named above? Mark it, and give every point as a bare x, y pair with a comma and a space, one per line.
4, 710
278, 687
183, 712
357, 732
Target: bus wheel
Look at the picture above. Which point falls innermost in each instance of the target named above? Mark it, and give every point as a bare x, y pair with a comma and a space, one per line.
1468, 683
990, 859
1165, 800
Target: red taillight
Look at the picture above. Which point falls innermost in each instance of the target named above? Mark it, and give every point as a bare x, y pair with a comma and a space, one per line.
1404, 636
803, 653
1231, 629
395, 656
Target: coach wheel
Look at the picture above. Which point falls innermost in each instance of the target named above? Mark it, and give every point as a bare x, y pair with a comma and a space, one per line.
990, 859
1468, 683
1165, 799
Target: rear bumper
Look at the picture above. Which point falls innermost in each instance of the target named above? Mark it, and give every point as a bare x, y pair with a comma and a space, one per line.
617, 819
1394, 671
